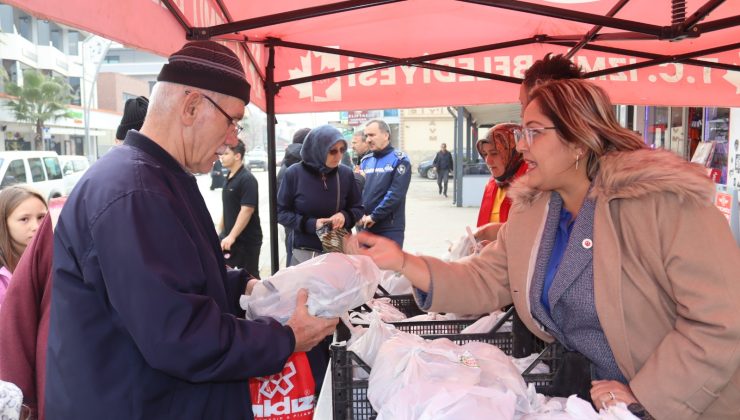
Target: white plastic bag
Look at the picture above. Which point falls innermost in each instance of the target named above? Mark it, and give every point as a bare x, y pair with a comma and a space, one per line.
449, 401
367, 344
407, 359
524, 363
395, 283
486, 323
464, 246
335, 284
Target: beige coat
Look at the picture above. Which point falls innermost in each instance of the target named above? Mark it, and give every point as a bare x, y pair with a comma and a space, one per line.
666, 281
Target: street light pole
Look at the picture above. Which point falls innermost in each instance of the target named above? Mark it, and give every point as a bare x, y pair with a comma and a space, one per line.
101, 49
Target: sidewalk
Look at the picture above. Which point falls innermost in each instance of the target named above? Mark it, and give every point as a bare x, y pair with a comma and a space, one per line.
431, 219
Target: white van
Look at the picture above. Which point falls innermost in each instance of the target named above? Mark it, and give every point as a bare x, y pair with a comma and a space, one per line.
73, 167
40, 170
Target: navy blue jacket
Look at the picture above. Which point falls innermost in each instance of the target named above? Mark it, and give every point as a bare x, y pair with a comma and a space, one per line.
387, 178
309, 190
142, 326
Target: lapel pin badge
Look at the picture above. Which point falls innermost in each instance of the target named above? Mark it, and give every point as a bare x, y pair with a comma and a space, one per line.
587, 243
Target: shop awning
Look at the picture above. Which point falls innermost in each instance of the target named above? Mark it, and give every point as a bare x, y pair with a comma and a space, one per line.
464, 52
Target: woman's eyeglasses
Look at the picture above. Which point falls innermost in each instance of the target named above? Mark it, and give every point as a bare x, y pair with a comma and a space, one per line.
341, 151
529, 134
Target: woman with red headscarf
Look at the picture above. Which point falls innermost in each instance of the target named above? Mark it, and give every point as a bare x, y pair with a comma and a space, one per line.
499, 152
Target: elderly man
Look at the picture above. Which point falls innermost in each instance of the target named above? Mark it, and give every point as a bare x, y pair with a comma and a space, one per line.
387, 177
143, 321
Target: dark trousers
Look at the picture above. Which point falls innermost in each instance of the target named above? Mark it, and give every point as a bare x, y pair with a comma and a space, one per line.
246, 257
442, 177
288, 246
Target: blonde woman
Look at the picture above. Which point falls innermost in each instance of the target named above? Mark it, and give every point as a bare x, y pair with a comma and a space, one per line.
612, 249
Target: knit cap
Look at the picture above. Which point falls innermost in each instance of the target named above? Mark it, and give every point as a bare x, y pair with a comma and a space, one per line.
207, 65
134, 112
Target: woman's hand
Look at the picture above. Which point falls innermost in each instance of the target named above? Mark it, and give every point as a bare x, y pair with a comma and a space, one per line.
487, 232
607, 393
337, 221
384, 252
321, 222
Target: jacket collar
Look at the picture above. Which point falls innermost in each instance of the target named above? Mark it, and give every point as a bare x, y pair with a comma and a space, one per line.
385, 151
148, 146
636, 174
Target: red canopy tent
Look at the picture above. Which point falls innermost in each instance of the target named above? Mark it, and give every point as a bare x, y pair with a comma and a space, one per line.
310, 56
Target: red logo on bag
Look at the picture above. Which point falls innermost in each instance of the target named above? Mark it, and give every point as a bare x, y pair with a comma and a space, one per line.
286, 395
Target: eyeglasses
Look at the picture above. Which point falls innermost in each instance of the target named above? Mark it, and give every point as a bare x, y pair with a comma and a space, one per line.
237, 128
529, 134
341, 150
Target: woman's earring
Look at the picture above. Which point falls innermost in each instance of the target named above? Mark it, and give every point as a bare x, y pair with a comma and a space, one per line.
578, 157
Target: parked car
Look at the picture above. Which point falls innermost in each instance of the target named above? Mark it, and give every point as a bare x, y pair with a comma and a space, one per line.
256, 159
73, 167
40, 170
426, 170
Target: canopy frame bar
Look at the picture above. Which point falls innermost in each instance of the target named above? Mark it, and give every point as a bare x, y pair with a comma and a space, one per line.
642, 54
662, 32
285, 17
595, 30
387, 61
664, 59
179, 16
690, 23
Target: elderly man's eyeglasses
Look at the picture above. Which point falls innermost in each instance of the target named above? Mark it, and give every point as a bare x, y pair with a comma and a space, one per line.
529, 134
237, 128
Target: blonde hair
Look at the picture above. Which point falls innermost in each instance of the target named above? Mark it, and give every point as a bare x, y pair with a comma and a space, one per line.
584, 116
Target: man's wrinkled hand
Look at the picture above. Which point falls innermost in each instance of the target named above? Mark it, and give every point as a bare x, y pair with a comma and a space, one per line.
308, 330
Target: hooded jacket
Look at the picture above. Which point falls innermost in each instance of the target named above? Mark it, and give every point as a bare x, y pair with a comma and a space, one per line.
292, 156
665, 280
311, 190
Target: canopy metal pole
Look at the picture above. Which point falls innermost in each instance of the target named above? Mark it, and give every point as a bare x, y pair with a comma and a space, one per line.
459, 139
270, 91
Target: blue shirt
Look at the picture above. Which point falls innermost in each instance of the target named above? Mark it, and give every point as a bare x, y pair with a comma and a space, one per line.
565, 227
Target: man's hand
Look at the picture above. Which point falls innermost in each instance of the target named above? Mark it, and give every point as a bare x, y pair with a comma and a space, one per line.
337, 220
250, 286
308, 330
226, 243
367, 221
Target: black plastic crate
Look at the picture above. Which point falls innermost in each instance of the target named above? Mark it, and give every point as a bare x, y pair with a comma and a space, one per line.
349, 396
425, 328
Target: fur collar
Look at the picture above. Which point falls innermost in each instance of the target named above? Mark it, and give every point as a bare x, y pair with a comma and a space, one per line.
637, 174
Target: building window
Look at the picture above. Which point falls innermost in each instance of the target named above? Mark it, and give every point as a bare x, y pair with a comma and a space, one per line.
127, 96
74, 40
656, 125
112, 59
74, 82
23, 23
56, 35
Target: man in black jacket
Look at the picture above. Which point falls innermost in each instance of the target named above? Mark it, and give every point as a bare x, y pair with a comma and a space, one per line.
443, 164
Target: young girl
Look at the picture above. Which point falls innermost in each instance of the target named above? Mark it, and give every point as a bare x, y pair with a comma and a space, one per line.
21, 211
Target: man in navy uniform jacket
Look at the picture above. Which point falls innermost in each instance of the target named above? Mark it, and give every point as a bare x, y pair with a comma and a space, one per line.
387, 177
143, 321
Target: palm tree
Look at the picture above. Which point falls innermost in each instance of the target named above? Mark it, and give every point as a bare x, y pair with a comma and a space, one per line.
40, 99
